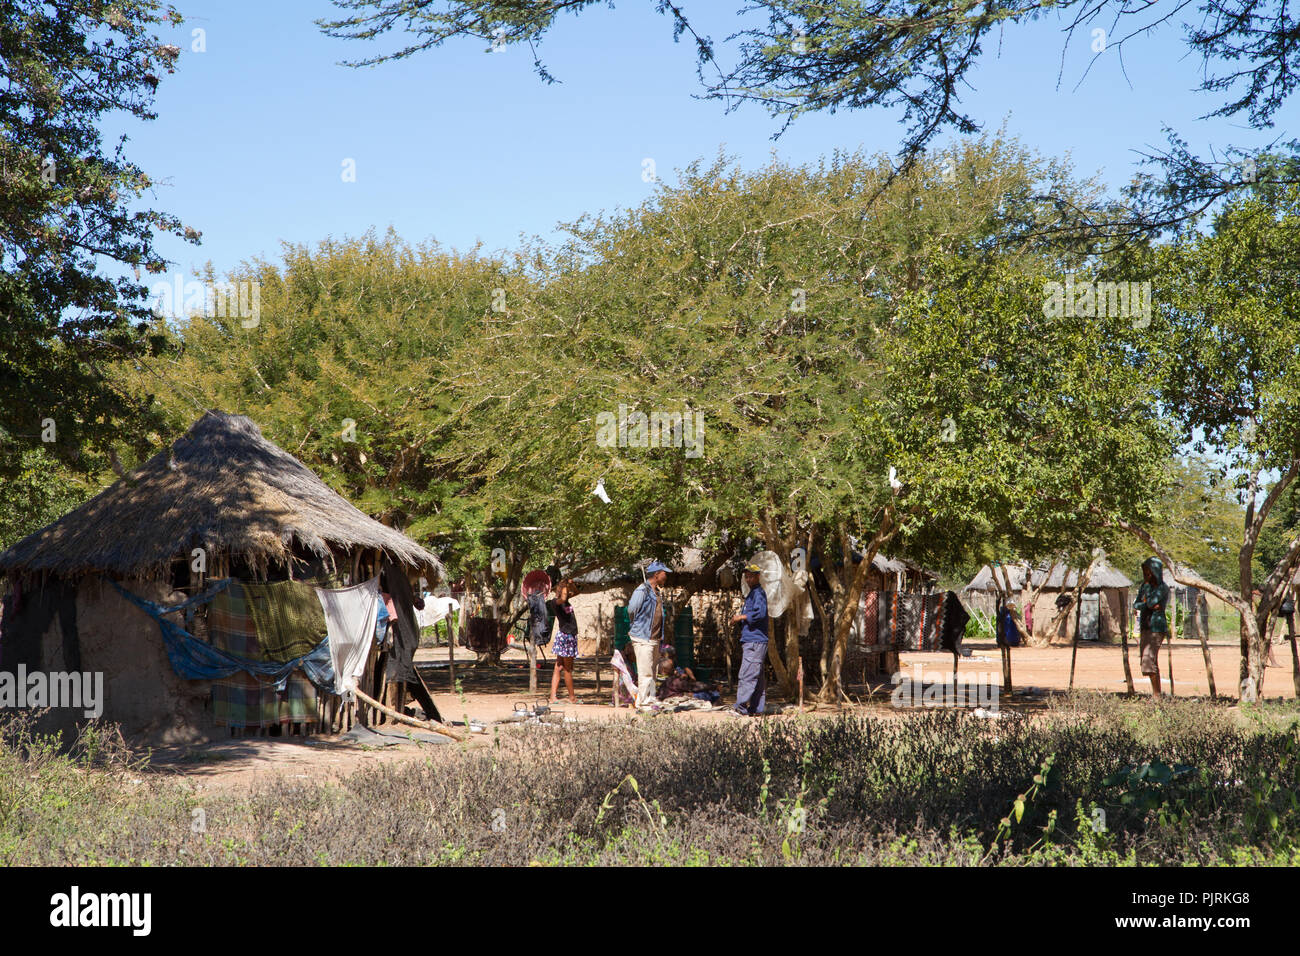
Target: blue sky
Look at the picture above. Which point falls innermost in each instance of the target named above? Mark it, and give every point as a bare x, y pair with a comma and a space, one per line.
466, 146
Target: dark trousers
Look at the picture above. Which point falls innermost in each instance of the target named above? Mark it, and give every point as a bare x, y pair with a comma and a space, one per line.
751, 686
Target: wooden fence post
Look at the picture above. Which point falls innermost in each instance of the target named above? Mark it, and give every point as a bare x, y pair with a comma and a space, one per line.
1205, 647
1295, 657
1173, 632
1074, 649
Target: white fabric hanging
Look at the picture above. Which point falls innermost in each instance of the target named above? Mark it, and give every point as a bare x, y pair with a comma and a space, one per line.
350, 615
776, 579
435, 609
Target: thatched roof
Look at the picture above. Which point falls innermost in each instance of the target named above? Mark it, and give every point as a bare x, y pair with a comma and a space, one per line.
222, 487
1103, 576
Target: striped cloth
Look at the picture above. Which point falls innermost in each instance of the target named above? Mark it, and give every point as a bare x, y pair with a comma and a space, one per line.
242, 700
239, 700
911, 622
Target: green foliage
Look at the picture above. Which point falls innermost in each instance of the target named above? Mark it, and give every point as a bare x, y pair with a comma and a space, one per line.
40, 491
1198, 517
928, 790
1149, 785
68, 208
809, 57
1230, 315
825, 324
347, 368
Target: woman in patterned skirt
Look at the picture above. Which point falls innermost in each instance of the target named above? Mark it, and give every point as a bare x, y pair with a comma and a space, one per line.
566, 638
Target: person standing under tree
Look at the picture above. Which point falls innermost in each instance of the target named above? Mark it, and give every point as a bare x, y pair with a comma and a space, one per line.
645, 611
751, 685
1152, 599
566, 638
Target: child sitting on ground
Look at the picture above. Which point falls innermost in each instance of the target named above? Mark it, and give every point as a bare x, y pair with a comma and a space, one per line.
680, 681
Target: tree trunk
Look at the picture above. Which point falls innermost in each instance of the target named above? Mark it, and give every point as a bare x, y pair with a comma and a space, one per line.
531, 650
774, 656
1249, 684
1173, 632
1295, 655
1074, 651
1251, 662
845, 602
1123, 637
1205, 651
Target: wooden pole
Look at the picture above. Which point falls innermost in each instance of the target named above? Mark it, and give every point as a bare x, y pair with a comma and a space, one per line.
1074, 644
451, 652
1173, 632
1205, 646
422, 724
1295, 657
1123, 639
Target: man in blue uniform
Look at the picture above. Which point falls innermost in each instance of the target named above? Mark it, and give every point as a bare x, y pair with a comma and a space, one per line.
751, 689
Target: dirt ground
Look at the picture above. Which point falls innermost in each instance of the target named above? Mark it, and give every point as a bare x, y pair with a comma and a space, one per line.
489, 697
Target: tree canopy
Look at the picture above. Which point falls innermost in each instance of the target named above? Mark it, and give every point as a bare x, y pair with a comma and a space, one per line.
68, 214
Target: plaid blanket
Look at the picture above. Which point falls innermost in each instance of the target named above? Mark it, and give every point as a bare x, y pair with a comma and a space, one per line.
242, 700
287, 617
298, 703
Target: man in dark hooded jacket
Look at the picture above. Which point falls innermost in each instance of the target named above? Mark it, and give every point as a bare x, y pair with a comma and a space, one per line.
1152, 599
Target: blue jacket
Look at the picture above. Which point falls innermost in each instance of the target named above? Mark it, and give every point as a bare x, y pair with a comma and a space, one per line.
754, 630
641, 610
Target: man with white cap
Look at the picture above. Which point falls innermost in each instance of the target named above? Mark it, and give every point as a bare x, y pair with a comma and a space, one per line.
645, 611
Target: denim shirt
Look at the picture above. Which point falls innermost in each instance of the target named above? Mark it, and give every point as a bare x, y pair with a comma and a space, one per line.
754, 630
641, 610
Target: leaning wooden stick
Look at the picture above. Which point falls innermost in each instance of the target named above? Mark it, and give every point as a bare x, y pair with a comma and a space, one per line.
422, 724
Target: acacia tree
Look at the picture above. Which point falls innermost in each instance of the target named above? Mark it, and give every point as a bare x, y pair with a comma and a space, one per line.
1228, 307
340, 367
801, 313
69, 217
798, 56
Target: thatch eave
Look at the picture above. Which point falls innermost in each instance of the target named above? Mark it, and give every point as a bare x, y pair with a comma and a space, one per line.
221, 487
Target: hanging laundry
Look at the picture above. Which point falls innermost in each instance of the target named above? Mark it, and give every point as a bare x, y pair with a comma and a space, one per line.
350, 615
867, 625
287, 616
401, 662
953, 625
487, 634
436, 609
238, 699
400, 666
624, 675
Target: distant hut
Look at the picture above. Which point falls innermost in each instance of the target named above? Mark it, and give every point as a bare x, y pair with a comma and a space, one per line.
220, 502
1105, 599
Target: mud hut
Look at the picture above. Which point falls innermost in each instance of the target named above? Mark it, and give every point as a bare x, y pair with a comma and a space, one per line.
1104, 605
221, 502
